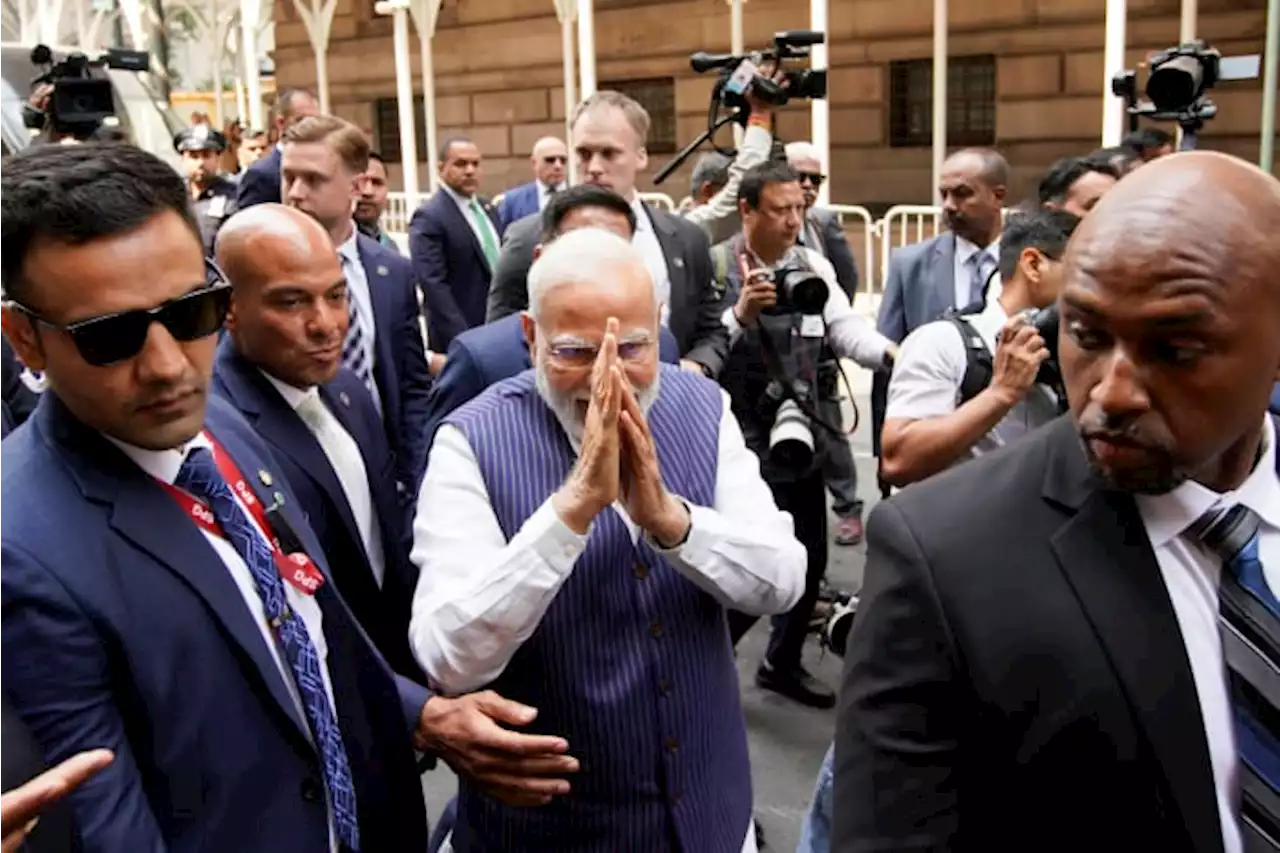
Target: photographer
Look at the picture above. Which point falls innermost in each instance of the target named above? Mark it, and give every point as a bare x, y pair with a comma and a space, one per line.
789, 324
966, 384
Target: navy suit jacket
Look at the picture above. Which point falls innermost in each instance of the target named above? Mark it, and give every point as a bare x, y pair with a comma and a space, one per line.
517, 203
400, 361
487, 354
260, 183
451, 268
123, 629
382, 612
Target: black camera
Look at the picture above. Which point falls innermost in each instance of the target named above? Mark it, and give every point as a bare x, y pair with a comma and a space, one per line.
82, 96
1047, 322
738, 73
791, 442
800, 290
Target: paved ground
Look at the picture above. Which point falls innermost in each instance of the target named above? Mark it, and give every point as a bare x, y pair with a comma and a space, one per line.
787, 740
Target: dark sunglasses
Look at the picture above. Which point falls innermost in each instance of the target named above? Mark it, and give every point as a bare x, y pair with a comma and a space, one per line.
812, 178
555, 158
116, 337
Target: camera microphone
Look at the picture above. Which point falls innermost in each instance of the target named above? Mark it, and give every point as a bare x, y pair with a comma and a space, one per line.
702, 61
801, 38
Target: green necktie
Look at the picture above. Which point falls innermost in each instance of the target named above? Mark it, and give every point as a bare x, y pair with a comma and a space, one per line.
487, 242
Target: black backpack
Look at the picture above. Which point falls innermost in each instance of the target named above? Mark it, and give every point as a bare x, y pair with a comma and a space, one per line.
979, 367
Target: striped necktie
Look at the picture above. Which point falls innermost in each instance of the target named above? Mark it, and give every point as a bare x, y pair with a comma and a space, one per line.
982, 266
1249, 618
485, 227
355, 350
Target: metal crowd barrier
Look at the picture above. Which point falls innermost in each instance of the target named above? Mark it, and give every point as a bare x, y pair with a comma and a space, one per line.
872, 240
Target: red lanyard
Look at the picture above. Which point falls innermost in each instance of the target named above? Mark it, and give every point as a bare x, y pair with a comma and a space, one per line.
296, 568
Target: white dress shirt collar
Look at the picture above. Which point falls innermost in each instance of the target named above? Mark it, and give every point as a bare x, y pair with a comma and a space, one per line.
966, 249
1168, 515
350, 247
295, 397
463, 202
164, 465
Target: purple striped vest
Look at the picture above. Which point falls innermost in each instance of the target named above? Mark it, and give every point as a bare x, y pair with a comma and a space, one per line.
631, 663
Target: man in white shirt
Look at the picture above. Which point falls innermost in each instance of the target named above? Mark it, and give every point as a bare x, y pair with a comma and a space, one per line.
967, 384
581, 530
1071, 644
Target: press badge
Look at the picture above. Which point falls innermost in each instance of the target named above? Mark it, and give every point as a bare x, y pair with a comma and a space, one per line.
218, 206
811, 326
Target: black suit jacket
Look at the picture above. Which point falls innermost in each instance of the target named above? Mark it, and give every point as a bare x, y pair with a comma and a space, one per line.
21, 760
696, 304
260, 183
835, 248
450, 266
1015, 678
383, 611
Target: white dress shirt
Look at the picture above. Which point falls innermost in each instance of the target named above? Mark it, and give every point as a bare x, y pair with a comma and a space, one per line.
479, 597
1191, 574
930, 369
850, 334
655, 260
479, 225
962, 279
344, 457
358, 290
164, 465
544, 193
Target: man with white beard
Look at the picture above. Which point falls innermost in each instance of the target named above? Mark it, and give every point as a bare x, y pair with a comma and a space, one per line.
583, 528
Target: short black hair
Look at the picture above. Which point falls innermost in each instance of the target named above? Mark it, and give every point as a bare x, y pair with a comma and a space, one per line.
374, 155
1062, 175
759, 177
1117, 157
75, 194
565, 202
1046, 230
1148, 137
447, 145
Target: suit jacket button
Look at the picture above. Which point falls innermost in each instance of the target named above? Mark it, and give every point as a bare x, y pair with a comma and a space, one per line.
311, 792
641, 571
655, 628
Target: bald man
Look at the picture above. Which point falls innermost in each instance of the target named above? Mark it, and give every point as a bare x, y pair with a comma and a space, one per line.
281, 366
550, 161
1084, 657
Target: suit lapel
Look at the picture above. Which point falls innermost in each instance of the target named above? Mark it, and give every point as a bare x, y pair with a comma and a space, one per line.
1104, 552
450, 209
943, 275
672, 250
143, 514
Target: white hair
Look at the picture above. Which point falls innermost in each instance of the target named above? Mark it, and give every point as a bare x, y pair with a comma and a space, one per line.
802, 151
583, 256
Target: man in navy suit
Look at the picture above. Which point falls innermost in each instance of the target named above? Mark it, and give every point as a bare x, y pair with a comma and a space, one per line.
145, 610
488, 354
323, 167
148, 605
281, 366
453, 241
550, 160
260, 183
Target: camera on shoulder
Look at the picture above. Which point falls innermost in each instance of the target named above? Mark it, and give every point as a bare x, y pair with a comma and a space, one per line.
82, 96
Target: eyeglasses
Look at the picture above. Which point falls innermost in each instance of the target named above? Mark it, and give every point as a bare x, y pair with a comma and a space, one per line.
581, 355
555, 158
116, 337
812, 177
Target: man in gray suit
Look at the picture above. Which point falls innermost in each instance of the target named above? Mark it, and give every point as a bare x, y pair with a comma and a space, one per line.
824, 234
952, 270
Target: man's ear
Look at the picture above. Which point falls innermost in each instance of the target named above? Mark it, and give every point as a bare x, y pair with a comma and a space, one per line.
530, 327
21, 332
642, 158
537, 251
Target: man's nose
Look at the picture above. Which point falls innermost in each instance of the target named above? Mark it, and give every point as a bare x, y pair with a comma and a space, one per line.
1119, 392
161, 360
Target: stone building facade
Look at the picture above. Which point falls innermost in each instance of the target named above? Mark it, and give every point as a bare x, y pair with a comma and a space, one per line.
1025, 77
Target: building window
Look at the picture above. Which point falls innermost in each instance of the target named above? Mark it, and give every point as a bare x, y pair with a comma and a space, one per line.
386, 115
658, 96
971, 101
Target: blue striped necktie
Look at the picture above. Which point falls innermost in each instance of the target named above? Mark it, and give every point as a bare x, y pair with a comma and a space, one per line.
1249, 618
355, 352
200, 477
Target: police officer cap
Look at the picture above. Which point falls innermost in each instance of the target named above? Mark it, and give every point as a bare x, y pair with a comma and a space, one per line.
199, 137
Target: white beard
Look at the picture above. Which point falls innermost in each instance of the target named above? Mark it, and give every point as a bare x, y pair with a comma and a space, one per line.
566, 406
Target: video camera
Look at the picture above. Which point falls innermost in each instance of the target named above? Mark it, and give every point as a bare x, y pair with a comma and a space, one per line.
1178, 84
740, 73
81, 100
1047, 322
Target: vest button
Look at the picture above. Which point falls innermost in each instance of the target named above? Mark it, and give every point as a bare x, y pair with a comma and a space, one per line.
641, 571
664, 686
311, 791
672, 745
655, 628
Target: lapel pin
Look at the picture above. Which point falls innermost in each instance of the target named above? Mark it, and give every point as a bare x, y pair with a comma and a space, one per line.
344, 398
383, 270
679, 262
265, 477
